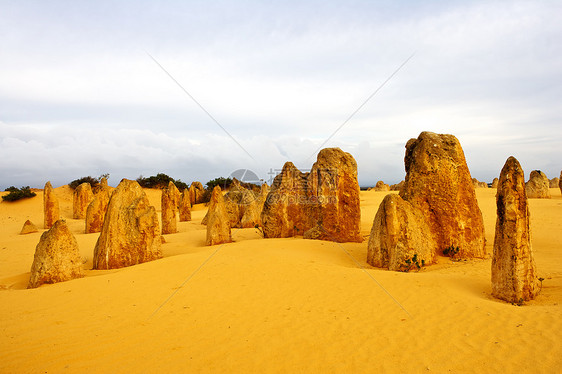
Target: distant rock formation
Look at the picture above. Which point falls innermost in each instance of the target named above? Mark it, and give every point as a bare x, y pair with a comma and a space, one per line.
514, 276
28, 228
381, 186
57, 257
50, 206
440, 193
196, 191
554, 182
560, 182
131, 232
537, 186
82, 197
322, 204
185, 206
97, 208
399, 233
170, 203
477, 184
495, 183
397, 187
218, 225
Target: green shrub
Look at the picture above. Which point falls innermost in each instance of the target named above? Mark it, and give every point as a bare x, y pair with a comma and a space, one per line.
160, 180
94, 182
224, 183
412, 263
18, 193
451, 251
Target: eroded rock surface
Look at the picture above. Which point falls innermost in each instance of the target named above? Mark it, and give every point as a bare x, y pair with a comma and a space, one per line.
57, 257
130, 233
513, 268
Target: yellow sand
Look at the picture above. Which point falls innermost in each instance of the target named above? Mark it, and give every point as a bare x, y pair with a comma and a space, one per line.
275, 305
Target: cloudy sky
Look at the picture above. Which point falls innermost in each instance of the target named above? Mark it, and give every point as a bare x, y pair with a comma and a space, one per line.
92, 87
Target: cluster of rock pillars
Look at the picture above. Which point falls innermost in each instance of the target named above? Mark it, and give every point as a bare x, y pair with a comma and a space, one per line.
435, 211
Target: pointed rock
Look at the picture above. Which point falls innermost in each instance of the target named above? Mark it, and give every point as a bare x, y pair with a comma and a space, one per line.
495, 183
131, 232
82, 197
513, 267
51, 208
170, 202
97, 208
538, 186
28, 228
218, 224
57, 257
185, 206
283, 214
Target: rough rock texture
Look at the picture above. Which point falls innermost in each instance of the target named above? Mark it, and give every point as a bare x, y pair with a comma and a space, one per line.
397, 187
236, 201
333, 209
82, 197
218, 225
28, 228
438, 182
170, 203
131, 232
560, 182
554, 182
251, 216
185, 206
196, 190
97, 209
399, 233
381, 186
513, 267
102, 186
495, 183
537, 186
322, 204
57, 257
50, 206
282, 214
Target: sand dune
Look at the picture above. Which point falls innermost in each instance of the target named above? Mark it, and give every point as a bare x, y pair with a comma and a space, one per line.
275, 305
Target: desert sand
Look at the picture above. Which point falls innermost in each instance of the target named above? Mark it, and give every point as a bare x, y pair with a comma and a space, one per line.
275, 305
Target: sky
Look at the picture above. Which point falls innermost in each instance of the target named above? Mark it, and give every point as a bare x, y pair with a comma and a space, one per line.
200, 89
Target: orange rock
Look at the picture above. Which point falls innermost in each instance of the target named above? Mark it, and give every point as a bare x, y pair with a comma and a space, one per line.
322, 204
218, 225
82, 197
513, 267
95, 213
538, 186
57, 257
50, 206
170, 203
438, 182
398, 234
131, 232
28, 228
185, 206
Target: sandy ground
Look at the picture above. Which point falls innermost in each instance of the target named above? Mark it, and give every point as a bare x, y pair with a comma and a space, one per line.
275, 305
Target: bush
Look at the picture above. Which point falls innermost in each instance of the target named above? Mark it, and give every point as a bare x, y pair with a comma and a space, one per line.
160, 180
94, 182
18, 193
224, 183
